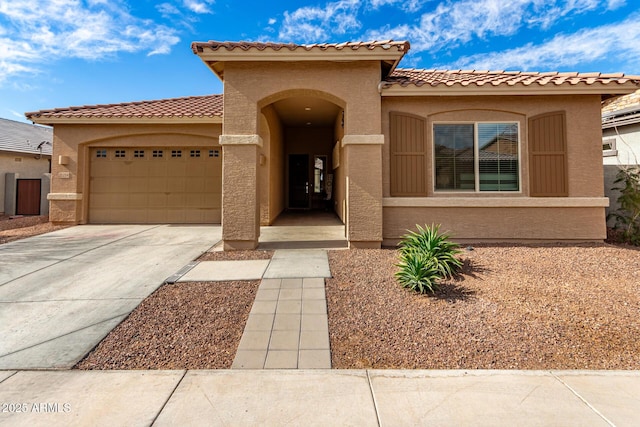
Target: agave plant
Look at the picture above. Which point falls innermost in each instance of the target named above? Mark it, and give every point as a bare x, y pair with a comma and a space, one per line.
418, 272
426, 256
433, 244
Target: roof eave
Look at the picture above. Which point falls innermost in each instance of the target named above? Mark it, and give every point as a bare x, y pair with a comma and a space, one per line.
24, 153
52, 121
621, 121
215, 59
489, 90
254, 55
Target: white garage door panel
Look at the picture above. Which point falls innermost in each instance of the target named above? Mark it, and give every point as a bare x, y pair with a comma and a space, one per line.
155, 185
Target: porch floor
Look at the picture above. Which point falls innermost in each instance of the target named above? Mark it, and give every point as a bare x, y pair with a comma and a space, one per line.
304, 230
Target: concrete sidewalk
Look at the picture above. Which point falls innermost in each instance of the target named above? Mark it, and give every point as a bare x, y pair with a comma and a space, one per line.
320, 397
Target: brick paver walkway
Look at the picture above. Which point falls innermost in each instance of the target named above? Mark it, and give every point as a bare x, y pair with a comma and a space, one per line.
287, 327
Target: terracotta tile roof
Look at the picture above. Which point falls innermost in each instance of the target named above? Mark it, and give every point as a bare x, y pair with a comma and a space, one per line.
401, 46
192, 106
405, 77
21, 137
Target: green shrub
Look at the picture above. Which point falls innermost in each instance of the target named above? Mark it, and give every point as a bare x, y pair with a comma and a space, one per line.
426, 256
628, 215
418, 272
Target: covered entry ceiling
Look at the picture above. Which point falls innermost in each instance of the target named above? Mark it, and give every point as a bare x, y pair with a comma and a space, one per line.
306, 111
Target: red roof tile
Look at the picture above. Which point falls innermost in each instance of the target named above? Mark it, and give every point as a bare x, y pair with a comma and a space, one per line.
417, 77
212, 105
401, 46
192, 106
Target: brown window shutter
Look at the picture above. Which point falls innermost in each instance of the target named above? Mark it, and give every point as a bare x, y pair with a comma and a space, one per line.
408, 154
548, 155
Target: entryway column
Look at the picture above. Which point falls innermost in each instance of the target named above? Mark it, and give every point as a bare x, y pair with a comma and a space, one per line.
363, 162
240, 192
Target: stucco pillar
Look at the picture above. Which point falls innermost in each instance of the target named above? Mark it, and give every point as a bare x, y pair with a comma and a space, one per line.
10, 190
240, 192
45, 189
363, 161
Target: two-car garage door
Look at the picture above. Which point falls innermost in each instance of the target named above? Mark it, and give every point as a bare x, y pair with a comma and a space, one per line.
153, 185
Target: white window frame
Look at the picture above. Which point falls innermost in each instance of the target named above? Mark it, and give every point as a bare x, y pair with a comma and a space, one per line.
612, 141
476, 160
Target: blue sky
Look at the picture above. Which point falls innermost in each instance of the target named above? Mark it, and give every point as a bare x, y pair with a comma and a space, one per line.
59, 53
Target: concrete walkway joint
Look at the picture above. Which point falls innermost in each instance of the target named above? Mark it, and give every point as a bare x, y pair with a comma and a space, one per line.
320, 397
287, 327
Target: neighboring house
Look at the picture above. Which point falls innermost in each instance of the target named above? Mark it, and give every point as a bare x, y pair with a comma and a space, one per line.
25, 166
492, 156
620, 141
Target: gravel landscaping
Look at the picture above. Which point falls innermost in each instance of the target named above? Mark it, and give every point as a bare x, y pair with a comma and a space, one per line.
513, 307
235, 255
16, 228
191, 325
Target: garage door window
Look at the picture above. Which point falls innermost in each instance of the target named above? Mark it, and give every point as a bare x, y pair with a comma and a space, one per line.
138, 153
157, 153
101, 154
214, 153
121, 153
176, 153
195, 153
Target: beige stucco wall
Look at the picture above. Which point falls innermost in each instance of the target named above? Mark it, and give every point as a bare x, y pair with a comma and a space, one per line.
271, 199
499, 224
352, 86
70, 182
249, 86
339, 178
494, 221
240, 207
24, 164
364, 192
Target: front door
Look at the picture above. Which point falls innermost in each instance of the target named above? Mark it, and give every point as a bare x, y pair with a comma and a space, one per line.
299, 181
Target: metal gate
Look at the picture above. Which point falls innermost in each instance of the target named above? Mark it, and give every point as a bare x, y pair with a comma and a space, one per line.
28, 197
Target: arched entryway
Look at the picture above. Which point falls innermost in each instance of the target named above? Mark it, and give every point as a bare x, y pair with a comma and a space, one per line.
301, 135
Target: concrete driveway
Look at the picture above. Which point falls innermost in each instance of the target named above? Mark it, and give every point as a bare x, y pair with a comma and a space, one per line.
62, 292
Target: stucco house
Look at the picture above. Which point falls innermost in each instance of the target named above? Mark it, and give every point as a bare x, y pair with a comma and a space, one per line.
491, 155
620, 141
25, 166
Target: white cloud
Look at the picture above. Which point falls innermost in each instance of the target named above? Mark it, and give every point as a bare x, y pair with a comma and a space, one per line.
615, 4
199, 6
454, 23
17, 115
272, 21
167, 9
73, 29
406, 5
614, 41
315, 24
448, 23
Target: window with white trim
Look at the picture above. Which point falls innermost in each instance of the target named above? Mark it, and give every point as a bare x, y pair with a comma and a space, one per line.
476, 157
609, 147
